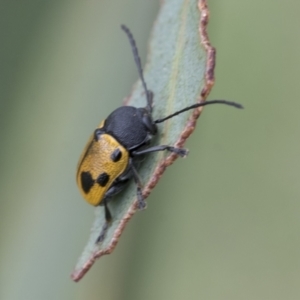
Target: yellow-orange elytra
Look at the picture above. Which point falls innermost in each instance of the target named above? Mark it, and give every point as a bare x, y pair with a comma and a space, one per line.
97, 170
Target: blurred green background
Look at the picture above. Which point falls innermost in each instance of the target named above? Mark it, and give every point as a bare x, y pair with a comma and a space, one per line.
222, 224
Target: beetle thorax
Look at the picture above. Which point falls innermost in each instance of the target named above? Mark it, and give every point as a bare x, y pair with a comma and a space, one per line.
132, 127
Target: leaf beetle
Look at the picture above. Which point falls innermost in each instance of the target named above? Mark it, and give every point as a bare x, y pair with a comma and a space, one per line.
110, 157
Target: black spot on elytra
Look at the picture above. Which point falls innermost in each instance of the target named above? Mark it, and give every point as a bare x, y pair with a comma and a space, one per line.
87, 181
116, 155
102, 179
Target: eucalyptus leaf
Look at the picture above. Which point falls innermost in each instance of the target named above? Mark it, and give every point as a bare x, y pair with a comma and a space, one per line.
179, 71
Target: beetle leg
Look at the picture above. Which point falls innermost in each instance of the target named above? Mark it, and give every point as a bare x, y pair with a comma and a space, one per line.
141, 201
108, 219
179, 151
116, 188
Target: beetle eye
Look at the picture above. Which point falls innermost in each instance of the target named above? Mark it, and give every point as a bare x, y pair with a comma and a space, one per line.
97, 134
148, 122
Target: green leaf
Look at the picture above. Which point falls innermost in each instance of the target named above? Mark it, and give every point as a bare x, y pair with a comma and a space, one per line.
179, 71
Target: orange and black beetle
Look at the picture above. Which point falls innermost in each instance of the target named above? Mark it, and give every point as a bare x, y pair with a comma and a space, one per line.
108, 161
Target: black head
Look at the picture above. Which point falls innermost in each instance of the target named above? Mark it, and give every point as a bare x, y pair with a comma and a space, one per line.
133, 127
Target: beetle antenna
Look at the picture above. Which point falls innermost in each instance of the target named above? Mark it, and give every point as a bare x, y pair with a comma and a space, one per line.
230, 103
139, 65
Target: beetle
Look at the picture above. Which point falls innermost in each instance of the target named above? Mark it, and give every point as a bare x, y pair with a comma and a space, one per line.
111, 155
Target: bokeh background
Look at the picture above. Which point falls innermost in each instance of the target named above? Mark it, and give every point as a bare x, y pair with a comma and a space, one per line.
222, 224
